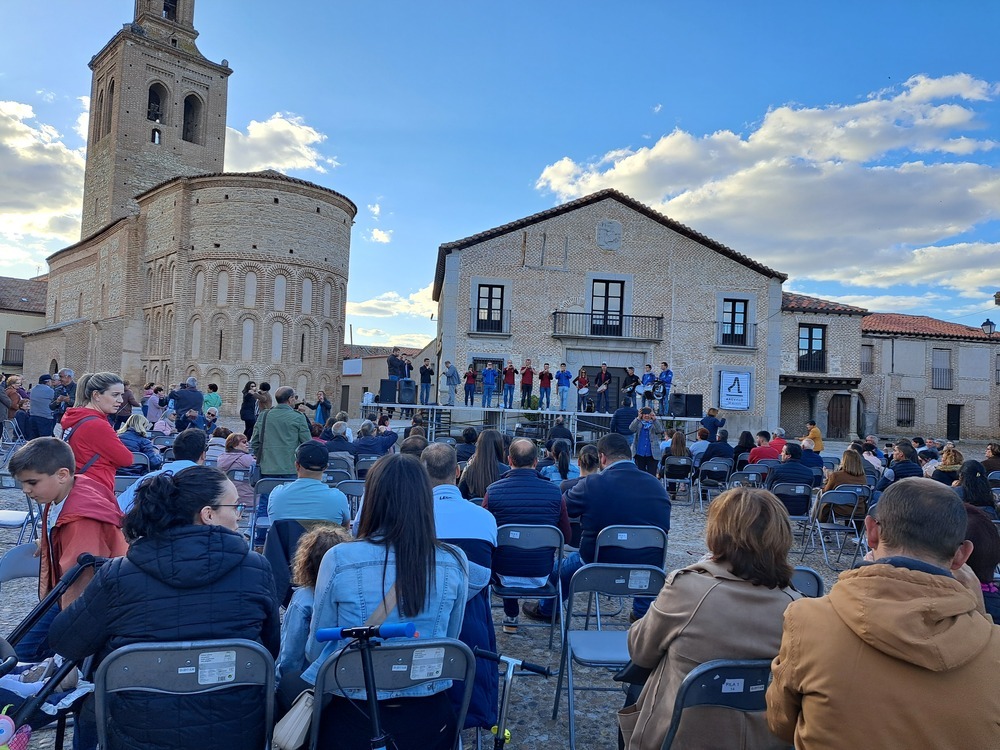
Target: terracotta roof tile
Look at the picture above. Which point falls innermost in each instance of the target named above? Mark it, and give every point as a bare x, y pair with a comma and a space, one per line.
919, 325
22, 295
587, 200
801, 303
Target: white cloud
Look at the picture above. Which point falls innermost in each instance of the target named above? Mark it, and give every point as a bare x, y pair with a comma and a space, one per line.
375, 209
370, 332
657, 109
42, 181
82, 124
46, 96
283, 142
391, 304
383, 237
884, 186
412, 340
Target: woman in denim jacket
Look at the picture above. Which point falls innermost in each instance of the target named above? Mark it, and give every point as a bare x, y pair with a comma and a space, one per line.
397, 546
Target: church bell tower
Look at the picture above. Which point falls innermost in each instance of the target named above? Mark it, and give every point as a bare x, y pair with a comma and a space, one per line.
157, 111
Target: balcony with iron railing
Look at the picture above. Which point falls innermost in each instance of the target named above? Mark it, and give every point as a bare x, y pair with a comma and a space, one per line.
607, 325
741, 335
812, 361
488, 321
867, 367
941, 379
13, 357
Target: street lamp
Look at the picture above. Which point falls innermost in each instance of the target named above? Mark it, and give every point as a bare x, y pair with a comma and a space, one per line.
989, 327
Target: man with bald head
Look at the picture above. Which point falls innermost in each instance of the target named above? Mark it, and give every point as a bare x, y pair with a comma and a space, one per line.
524, 496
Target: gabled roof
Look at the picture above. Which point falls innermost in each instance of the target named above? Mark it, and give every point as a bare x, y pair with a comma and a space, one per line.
791, 302
920, 325
449, 247
22, 295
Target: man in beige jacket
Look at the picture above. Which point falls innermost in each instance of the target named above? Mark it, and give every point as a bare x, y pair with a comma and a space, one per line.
901, 652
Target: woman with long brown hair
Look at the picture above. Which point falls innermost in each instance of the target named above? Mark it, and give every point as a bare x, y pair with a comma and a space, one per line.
729, 605
485, 467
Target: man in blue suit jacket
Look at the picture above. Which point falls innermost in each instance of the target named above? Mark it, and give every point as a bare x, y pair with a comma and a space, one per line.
621, 494
791, 471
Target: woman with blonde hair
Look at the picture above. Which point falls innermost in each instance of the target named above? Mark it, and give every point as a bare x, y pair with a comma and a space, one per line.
99, 453
134, 435
951, 464
728, 605
851, 471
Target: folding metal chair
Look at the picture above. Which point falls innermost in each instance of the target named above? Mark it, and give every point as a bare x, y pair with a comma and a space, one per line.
397, 664
164, 441
600, 648
26, 521
123, 482
831, 463
795, 494
141, 460
333, 477
743, 458
447, 440
807, 582
712, 477
746, 479
738, 684
363, 464
536, 538
340, 462
678, 462
264, 487
20, 562
629, 538
761, 469
11, 438
247, 476
846, 496
354, 489
185, 668
770, 462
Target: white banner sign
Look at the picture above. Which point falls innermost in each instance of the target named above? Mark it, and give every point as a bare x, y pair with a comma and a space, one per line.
734, 391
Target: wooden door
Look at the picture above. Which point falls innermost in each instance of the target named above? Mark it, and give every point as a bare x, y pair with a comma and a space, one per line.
839, 423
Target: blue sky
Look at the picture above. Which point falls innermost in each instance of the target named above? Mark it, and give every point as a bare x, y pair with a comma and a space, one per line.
854, 145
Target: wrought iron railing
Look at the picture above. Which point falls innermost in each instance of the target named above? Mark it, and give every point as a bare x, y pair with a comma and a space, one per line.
488, 320
941, 378
812, 361
607, 324
736, 334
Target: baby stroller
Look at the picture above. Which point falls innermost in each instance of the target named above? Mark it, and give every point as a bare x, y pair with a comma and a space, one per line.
29, 713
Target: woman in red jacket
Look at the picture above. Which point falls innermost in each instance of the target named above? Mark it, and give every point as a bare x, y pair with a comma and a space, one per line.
98, 451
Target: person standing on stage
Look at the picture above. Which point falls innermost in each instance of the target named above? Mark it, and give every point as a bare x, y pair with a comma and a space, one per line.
666, 377
489, 384
470, 386
426, 375
395, 365
648, 378
451, 381
630, 384
563, 378
509, 375
582, 383
527, 384
545, 387
602, 381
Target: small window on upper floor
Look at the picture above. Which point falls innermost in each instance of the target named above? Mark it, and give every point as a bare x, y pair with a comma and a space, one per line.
156, 136
156, 103
170, 10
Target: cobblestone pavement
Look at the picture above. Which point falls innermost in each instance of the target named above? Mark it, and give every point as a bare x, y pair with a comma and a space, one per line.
531, 703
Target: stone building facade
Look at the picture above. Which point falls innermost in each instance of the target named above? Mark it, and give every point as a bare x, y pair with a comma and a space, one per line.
929, 377
820, 366
22, 308
184, 270
606, 279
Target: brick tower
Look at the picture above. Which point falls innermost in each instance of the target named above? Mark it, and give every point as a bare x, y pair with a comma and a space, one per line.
157, 111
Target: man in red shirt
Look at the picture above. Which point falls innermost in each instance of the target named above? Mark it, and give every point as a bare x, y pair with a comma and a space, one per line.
764, 449
545, 387
527, 384
509, 374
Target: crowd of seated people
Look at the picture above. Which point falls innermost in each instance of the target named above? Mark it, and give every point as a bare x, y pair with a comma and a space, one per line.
422, 553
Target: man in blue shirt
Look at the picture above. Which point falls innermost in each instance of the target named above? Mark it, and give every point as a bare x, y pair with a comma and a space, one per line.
189, 450
308, 498
489, 384
666, 377
563, 378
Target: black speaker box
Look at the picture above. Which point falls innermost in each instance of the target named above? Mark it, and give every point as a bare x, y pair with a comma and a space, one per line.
387, 391
678, 405
407, 391
692, 407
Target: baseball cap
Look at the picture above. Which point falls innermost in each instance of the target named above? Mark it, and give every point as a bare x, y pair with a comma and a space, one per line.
312, 456
45, 378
